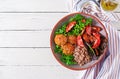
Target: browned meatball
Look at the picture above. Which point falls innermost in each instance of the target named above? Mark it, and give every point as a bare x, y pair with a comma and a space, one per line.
60, 39
72, 39
68, 49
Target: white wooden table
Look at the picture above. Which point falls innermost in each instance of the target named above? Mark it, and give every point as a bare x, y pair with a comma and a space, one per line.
25, 27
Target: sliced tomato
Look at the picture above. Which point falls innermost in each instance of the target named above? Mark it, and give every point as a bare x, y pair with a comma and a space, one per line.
80, 41
86, 37
70, 26
88, 30
96, 28
97, 40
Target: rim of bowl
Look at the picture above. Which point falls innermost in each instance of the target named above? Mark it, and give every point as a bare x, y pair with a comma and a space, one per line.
52, 33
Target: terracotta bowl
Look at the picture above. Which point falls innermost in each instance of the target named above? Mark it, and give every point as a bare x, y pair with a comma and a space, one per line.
96, 22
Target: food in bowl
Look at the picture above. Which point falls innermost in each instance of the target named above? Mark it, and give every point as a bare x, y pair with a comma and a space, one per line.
79, 40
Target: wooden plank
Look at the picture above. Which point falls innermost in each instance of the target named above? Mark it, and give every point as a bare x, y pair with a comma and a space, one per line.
25, 39
27, 56
38, 72
33, 5
29, 21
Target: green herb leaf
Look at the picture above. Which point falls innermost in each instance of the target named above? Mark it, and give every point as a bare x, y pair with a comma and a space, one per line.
61, 30
58, 49
77, 17
88, 21
68, 59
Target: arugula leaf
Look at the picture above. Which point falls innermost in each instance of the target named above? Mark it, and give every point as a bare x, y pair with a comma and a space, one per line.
61, 30
88, 21
58, 49
77, 29
77, 17
68, 59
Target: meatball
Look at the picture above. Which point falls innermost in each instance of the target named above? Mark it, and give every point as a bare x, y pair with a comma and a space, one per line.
81, 55
72, 39
60, 39
68, 49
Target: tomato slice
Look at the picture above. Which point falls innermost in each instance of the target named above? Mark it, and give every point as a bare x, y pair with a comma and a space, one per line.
97, 40
86, 37
70, 26
96, 28
88, 30
80, 41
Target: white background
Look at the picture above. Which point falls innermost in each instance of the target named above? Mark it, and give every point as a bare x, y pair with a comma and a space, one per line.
25, 27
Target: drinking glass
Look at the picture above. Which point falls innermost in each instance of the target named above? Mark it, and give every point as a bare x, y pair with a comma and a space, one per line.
110, 5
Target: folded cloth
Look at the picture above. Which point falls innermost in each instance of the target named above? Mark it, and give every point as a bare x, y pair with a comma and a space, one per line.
109, 67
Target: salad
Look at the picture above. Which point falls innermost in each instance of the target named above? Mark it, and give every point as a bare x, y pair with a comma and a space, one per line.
79, 41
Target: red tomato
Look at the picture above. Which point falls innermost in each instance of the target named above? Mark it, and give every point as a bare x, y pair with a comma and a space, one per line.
88, 30
97, 40
86, 37
96, 28
70, 26
80, 41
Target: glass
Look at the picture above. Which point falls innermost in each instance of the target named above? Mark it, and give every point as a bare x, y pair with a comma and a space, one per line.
110, 5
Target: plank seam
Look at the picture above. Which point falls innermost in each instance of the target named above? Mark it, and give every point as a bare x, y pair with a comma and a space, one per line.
26, 47
32, 65
26, 30
34, 12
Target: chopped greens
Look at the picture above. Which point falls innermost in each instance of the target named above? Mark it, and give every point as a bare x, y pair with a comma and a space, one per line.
77, 17
67, 59
88, 21
77, 29
61, 30
58, 49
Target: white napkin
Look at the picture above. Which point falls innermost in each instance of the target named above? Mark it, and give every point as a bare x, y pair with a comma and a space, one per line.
109, 68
